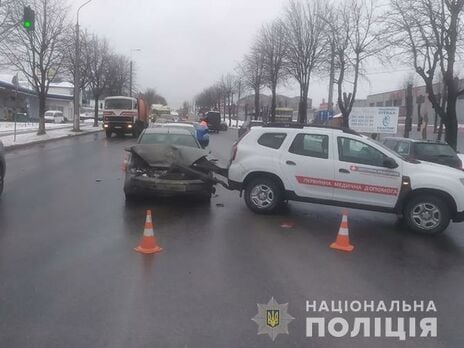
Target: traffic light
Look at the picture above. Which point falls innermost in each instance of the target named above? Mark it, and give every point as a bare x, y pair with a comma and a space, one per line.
28, 18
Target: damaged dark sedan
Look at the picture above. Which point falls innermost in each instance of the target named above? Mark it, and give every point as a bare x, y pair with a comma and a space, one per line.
168, 162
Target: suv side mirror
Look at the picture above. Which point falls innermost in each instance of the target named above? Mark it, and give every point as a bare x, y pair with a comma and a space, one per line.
390, 163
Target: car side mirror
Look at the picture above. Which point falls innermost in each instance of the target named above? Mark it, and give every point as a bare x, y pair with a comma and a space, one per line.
128, 149
390, 163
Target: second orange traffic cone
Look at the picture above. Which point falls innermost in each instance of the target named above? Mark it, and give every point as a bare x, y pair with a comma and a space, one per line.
343, 239
148, 244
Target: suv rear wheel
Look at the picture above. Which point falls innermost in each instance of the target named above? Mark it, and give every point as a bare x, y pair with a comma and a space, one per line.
263, 195
427, 214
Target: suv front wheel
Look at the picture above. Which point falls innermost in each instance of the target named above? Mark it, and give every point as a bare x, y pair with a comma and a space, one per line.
263, 195
427, 214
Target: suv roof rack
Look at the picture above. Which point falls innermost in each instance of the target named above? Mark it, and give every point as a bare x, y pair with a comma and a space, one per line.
303, 125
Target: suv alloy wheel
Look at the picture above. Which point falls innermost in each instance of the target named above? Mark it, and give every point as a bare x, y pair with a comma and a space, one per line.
263, 195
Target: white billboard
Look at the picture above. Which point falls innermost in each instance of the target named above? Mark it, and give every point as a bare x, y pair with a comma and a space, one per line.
382, 120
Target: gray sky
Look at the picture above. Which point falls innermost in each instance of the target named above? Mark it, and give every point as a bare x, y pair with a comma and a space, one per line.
187, 45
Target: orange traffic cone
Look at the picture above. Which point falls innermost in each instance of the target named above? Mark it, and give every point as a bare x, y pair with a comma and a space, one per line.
343, 240
148, 243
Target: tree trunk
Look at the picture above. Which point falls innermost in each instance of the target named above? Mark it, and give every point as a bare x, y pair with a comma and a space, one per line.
440, 130
451, 123
303, 105
231, 102
237, 112
225, 102
409, 106
95, 114
273, 103
256, 104
42, 102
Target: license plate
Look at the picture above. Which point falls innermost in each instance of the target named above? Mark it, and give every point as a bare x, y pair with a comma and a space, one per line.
117, 127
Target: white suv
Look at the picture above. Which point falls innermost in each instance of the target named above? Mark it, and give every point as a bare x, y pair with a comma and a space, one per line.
340, 167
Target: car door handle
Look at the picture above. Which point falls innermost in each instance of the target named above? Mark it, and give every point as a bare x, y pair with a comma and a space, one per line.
291, 163
344, 171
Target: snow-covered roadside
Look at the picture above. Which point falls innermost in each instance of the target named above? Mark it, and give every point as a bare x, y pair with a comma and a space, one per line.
31, 138
7, 128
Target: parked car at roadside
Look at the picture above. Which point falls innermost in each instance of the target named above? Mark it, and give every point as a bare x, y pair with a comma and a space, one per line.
54, 116
334, 166
167, 161
2, 167
435, 152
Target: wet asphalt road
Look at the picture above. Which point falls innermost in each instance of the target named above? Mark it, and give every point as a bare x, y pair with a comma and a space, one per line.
69, 276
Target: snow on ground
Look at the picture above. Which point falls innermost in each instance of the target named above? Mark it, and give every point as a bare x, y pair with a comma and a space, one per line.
32, 137
7, 127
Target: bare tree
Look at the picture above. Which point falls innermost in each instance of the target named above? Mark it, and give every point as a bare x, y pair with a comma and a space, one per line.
238, 85
6, 23
253, 74
353, 33
118, 75
151, 97
428, 33
98, 70
273, 46
227, 86
70, 58
305, 35
39, 55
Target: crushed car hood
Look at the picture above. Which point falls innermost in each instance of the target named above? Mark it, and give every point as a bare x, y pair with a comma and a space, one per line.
163, 154
188, 159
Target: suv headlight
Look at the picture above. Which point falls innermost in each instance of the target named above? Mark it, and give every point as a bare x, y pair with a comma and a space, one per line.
462, 180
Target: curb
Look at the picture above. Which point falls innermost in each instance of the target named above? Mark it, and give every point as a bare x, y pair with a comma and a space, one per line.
43, 141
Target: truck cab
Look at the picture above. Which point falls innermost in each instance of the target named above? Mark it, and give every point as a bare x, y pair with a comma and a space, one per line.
123, 115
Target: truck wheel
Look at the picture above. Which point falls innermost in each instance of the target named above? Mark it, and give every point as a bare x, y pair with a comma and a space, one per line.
263, 195
108, 133
427, 213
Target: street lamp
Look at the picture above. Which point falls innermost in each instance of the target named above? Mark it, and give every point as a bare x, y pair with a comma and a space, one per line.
130, 73
76, 120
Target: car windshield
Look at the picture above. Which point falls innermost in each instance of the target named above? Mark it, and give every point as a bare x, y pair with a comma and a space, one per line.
169, 138
118, 104
434, 150
186, 127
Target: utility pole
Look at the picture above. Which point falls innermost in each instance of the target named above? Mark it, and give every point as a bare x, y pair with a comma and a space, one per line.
131, 69
76, 120
130, 78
